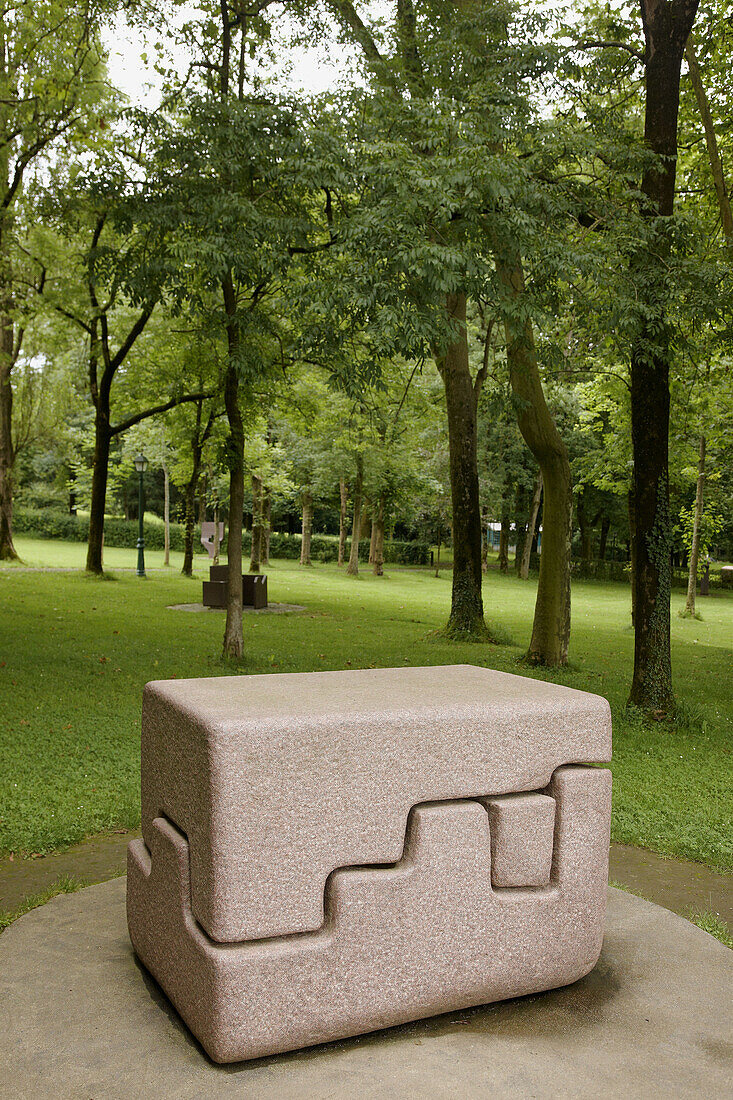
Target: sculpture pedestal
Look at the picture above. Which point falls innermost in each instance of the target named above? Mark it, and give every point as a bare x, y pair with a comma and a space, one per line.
88, 1020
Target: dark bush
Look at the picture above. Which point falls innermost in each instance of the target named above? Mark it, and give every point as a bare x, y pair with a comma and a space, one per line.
49, 524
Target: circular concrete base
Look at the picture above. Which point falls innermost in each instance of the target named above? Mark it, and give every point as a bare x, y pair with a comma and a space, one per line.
82, 1019
271, 609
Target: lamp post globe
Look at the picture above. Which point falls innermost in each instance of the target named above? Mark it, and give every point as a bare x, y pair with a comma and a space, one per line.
141, 465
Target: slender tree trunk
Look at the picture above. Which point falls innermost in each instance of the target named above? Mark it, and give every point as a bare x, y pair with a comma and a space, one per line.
378, 560
266, 526
632, 551
254, 561
7, 359
586, 532
344, 500
100, 473
531, 528
520, 527
551, 628
467, 608
666, 29
167, 516
365, 528
695, 551
373, 537
307, 529
7, 549
217, 540
190, 529
353, 567
484, 540
233, 636
203, 493
603, 543
504, 531
711, 140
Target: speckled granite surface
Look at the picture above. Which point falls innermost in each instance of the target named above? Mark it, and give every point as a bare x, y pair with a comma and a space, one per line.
279, 780
322, 854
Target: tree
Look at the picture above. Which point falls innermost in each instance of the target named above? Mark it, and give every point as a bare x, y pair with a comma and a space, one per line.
108, 285
50, 95
235, 175
452, 63
667, 25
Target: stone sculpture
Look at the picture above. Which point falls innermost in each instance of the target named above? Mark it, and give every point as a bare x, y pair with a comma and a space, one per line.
325, 854
209, 541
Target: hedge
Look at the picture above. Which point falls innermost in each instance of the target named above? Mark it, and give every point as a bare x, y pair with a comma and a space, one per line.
50, 524
619, 571
324, 548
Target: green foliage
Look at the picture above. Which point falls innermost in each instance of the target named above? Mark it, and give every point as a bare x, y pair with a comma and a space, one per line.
50, 524
77, 653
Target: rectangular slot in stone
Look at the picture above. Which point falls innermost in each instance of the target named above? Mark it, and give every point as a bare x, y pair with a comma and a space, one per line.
522, 829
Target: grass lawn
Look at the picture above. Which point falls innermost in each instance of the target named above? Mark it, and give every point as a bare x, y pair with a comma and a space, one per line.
75, 653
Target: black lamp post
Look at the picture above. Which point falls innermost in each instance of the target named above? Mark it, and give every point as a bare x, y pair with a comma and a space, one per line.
141, 465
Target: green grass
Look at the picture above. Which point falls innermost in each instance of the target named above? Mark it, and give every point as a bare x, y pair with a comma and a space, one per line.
76, 651
714, 925
67, 884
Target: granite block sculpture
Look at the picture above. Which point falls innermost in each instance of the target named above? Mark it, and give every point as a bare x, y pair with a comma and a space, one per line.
328, 853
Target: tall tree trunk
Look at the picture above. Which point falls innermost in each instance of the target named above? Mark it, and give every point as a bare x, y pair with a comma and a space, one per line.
203, 493
373, 537
167, 515
266, 527
505, 530
353, 567
100, 473
603, 543
233, 636
666, 29
190, 530
531, 528
551, 628
217, 540
711, 140
695, 550
7, 549
632, 550
365, 528
484, 540
378, 528
256, 554
467, 608
586, 531
344, 500
520, 527
7, 358
307, 529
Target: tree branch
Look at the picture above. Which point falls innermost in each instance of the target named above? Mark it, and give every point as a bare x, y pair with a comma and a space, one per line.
602, 44
155, 410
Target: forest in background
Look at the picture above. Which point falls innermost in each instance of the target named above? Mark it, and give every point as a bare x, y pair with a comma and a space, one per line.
485, 279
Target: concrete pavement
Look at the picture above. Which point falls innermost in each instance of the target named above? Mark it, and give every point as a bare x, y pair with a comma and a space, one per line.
82, 1019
